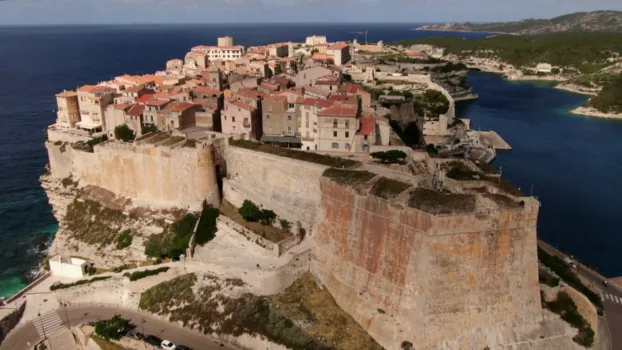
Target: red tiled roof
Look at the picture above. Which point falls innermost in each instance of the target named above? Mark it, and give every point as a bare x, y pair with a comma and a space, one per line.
325, 82
368, 125
122, 106
92, 88
177, 107
251, 93
325, 103
242, 105
337, 111
136, 110
282, 99
338, 97
136, 88
338, 46
144, 98
206, 90
160, 95
157, 103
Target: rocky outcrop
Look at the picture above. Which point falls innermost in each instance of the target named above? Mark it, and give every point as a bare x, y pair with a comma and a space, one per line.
10, 321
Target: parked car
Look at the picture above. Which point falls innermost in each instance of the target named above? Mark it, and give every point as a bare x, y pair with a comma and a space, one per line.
135, 335
153, 340
167, 345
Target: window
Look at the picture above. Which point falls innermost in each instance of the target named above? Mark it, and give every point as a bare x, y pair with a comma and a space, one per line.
233, 119
334, 123
335, 145
365, 138
334, 134
267, 116
289, 117
347, 134
347, 146
289, 129
347, 124
291, 105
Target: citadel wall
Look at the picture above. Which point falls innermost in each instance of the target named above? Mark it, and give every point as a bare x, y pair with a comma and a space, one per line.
157, 175
289, 187
450, 282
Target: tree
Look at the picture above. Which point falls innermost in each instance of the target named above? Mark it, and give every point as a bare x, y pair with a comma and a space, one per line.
347, 77
267, 217
124, 133
113, 328
124, 240
206, 231
249, 211
285, 225
555, 70
392, 156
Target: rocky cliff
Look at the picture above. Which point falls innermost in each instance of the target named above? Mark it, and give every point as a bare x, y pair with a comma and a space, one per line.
597, 21
466, 281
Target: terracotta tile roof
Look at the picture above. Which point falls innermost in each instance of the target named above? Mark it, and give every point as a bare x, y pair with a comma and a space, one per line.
162, 95
248, 92
157, 103
281, 99
338, 46
134, 89
93, 88
325, 82
122, 106
338, 97
337, 111
368, 125
136, 110
177, 107
324, 103
242, 105
307, 101
144, 98
206, 90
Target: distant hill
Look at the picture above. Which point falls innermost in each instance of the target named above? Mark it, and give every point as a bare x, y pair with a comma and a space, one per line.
597, 21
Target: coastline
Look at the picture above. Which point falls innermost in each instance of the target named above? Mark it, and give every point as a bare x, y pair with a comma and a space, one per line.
464, 31
591, 112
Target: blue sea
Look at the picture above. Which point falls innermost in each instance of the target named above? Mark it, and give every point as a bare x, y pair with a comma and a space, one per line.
571, 160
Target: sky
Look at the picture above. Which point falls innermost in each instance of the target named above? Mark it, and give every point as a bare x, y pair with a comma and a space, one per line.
25, 12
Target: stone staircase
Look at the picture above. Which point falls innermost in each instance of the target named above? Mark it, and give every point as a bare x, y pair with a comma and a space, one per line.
51, 326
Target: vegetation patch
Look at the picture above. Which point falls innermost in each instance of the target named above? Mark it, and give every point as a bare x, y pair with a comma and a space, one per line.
301, 317
269, 232
567, 309
561, 269
173, 241
435, 202
609, 99
124, 240
124, 133
547, 278
461, 172
206, 230
431, 104
348, 177
388, 188
59, 285
68, 182
96, 140
251, 212
136, 275
113, 328
92, 223
299, 155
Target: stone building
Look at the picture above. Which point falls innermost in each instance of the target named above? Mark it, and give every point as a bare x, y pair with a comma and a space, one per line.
280, 121
68, 113
93, 100
177, 115
337, 129
340, 53
241, 119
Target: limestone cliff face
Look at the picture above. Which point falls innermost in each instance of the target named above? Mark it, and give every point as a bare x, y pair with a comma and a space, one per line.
158, 175
451, 282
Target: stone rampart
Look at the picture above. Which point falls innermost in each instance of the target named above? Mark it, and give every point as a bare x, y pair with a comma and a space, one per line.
157, 175
448, 282
289, 187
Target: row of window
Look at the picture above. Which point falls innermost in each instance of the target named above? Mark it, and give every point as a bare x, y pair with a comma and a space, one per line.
289, 117
335, 145
335, 133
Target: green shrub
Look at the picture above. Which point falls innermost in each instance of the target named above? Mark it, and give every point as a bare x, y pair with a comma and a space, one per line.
59, 285
285, 225
548, 279
406, 345
567, 309
97, 140
561, 269
267, 217
124, 240
113, 328
173, 241
206, 230
136, 275
392, 156
250, 211
387, 188
124, 133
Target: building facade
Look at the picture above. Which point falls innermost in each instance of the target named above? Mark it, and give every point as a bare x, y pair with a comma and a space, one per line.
337, 127
238, 118
68, 113
93, 100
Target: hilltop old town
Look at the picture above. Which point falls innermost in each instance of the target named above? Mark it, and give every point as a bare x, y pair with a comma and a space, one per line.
301, 195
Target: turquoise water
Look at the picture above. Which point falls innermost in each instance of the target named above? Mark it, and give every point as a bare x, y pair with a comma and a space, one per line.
573, 162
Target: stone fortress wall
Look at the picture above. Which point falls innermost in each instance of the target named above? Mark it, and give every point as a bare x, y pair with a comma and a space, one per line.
450, 282
289, 187
156, 175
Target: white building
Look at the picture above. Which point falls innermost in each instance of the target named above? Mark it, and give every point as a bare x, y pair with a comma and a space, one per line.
68, 267
544, 68
225, 53
315, 39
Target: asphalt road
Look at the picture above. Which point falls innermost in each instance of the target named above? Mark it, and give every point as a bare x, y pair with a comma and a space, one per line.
611, 295
17, 340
